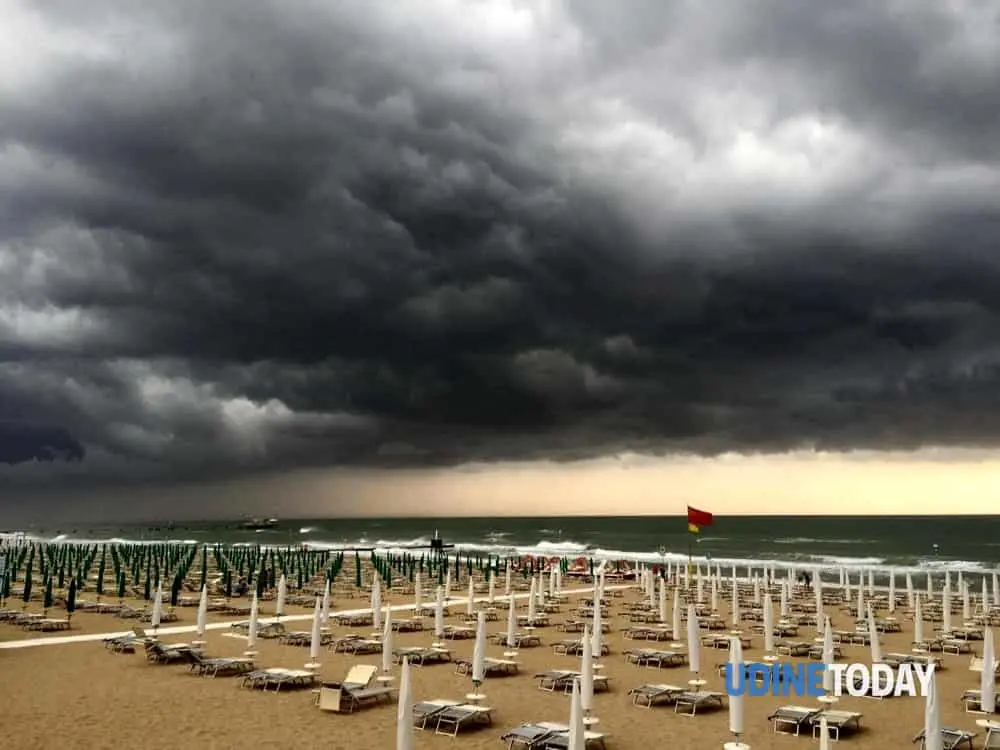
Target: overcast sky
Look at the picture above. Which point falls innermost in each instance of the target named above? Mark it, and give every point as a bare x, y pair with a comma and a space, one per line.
246, 237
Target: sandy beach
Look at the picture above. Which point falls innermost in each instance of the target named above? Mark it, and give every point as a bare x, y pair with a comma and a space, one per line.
80, 695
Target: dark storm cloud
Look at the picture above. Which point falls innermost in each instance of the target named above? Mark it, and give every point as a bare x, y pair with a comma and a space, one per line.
245, 237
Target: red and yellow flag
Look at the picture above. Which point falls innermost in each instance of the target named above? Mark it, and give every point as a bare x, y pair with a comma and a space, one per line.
697, 519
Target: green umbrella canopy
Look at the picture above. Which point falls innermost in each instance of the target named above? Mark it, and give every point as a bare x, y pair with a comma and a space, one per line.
71, 597
121, 585
47, 601
26, 596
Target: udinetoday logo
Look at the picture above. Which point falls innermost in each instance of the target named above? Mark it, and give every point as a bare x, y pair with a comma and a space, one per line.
857, 680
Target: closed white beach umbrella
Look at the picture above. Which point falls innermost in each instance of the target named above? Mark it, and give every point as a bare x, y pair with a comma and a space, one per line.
828, 655
930, 587
876, 647
597, 637
376, 604
987, 682
325, 617
387, 642
932, 716
252, 632
818, 589
404, 711
157, 614
824, 733
506, 580
946, 610
316, 639
676, 624
532, 602
768, 625
784, 600
511, 627
447, 583
966, 602
871, 582
736, 701
663, 600
650, 587
491, 595
694, 643
860, 605
892, 591
918, 622
470, 598
439, 614
984, 595
996, 590
736, 605
756, 590
418, 592
202, 614
479, 652
279, 607
714, 594
587, 672
577, 729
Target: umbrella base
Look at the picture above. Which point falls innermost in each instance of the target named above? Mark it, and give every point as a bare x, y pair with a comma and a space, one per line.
312, 666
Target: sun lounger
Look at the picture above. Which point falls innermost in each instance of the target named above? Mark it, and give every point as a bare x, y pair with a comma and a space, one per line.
837, 722
459, 633
358, 646
454, 719
410, 625
560, 740
357, 690
354, 621
972, 702
575, 648
992, 739
528, 736
689, 702
278, 678
219, 666
161, 653
651, 694
793, 648
553, 678
421, 655
492, 667
976, 665
426, 712
955, 646
792, 719
952, 739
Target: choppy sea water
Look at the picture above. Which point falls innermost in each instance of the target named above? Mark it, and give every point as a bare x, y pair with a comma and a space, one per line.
968, 543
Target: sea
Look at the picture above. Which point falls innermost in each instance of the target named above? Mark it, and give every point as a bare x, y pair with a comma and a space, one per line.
917, 543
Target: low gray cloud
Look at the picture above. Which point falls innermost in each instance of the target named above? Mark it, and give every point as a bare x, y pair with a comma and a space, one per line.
240, 238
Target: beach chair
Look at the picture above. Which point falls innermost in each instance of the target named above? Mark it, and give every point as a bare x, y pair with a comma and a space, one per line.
455, 719
554, 678
159, 653
951, 739
838, 722
651, 694
356, 691
227, 667
688, 703
992, 740
277, 678
528, 736
792, 719
560, 740
972, 701
427, 711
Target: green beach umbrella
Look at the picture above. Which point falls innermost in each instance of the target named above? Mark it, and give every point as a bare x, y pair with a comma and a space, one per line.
121, 586
71, 599
47, 601
26, 596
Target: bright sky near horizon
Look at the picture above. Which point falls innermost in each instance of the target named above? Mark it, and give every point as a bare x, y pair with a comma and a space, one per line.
921, 483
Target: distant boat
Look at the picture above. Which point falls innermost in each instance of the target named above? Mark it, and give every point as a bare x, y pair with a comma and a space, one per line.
259, 524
